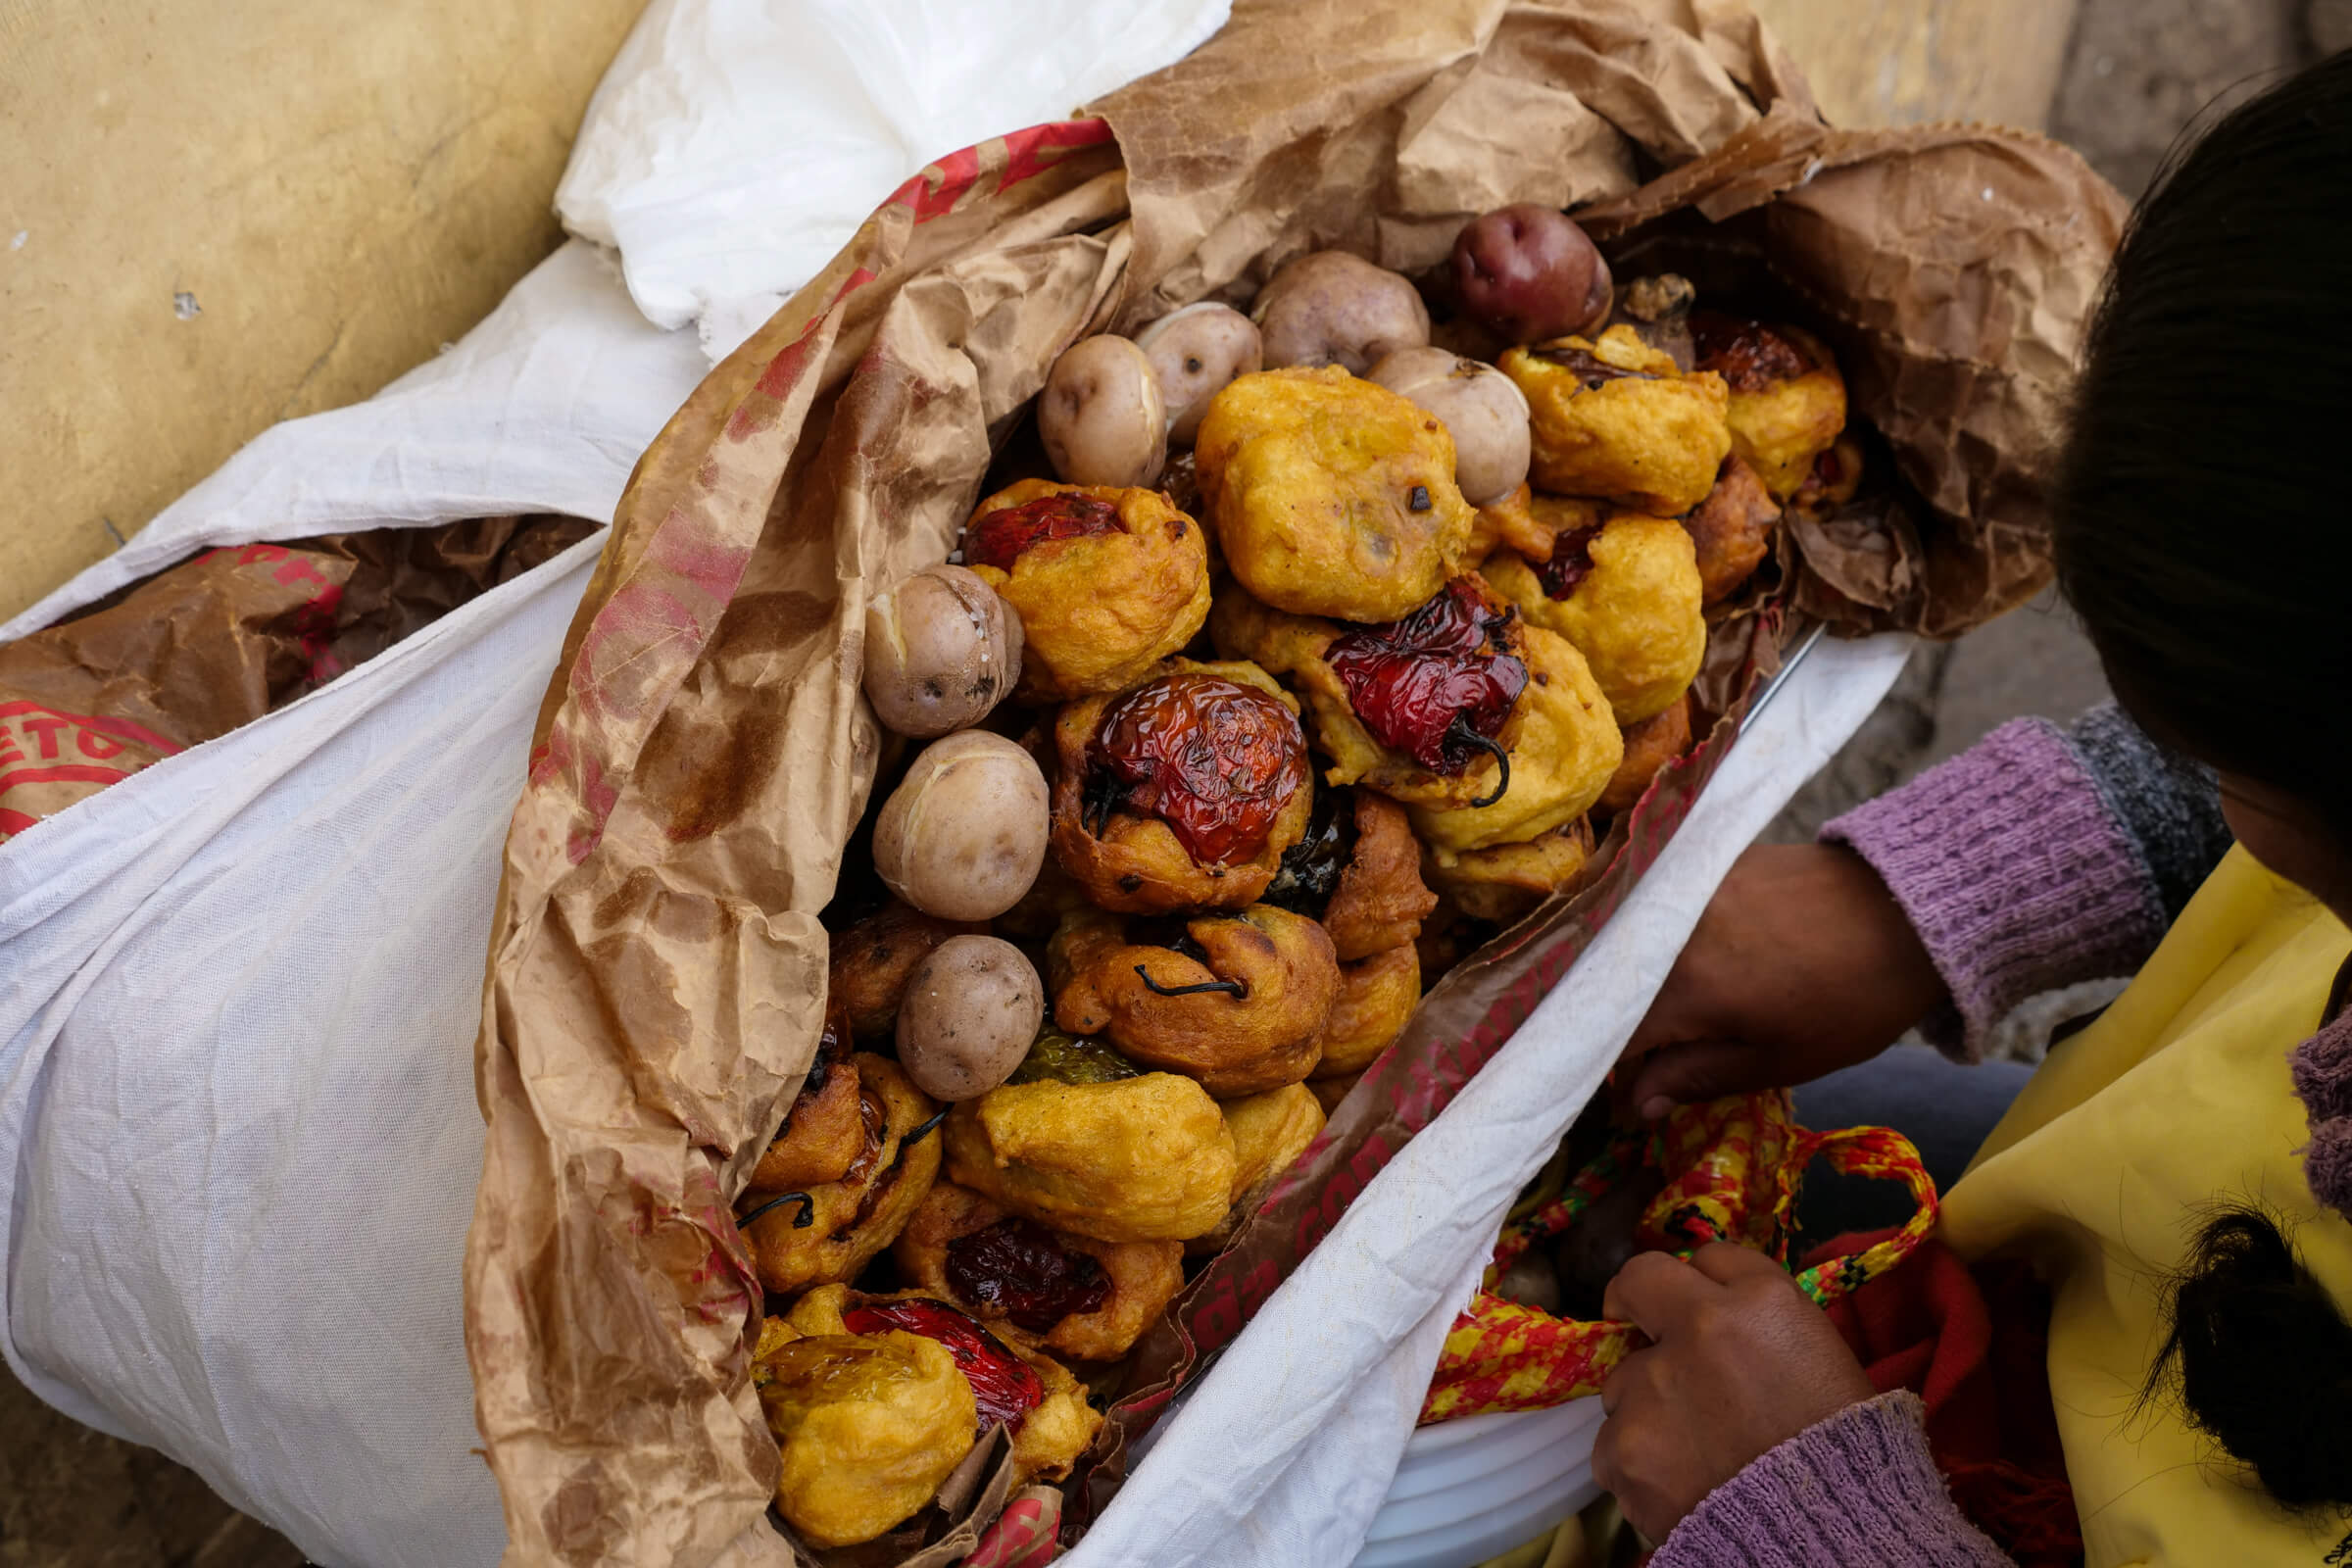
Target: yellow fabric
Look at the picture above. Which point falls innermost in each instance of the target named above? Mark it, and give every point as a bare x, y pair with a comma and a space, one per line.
2178, 1096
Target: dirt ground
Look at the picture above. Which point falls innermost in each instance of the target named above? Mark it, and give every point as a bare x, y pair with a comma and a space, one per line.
2136, 72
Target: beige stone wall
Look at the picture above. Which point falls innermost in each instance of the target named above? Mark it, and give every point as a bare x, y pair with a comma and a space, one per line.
330, 189
1907, 62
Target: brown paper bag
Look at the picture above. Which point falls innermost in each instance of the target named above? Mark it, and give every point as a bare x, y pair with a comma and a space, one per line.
656, 967
198, 650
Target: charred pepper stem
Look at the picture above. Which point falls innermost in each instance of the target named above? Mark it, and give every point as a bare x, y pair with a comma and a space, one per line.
923, 1129
801, 1222
1460, 731
1104, 794
1230, 988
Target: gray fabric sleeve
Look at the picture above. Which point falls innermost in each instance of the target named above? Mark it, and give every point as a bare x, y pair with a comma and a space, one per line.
2170, 807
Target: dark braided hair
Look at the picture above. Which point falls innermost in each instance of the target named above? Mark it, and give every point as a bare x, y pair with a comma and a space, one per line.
2204, 535
2261, 1361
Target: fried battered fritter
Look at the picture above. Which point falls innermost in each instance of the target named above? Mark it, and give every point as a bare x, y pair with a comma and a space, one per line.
1634, 613
1135, 1159
1236, 1001
1377, 997
853, 1219
1562, 759
1295, 646
1270, 1131
825, 1129
868, 1425
1332, 496
1614, 420
1141, 1277
1787, 401
1381, 899
1731, 531
1098, 607
1648, 746
1135, 862
1503, 883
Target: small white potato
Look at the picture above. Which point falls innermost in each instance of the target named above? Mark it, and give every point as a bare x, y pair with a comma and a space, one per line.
1332, 307
971, 1013
1101, 417
941, 650
964, 835
1195, 353
1482, 410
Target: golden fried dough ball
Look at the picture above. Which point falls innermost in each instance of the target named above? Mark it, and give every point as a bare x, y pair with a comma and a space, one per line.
1377, 997
1090, 1300
1183, 792
1787, 401
1014, 1384
1614, 418
1107, 583
825, 1129
1329, 662
872, 958
1561, 762
1270, 1131
1135, 1159
1236, 1001
868, 1425
1731, 531
1332, 496
1633, 611
1648, 746
839, 1228
1380, 900
1503, 883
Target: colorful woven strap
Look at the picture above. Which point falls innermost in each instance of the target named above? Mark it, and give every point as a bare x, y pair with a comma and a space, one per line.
1735, 1169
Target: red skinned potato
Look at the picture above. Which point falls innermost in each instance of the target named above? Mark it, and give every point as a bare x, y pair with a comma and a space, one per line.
940, 649
1531, 274
1483, 411
1101, 417
1194, 352
1331, 307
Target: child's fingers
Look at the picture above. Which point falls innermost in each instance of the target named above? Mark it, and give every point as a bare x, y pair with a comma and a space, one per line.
1728, 1263
1655, 1291
1696, 1070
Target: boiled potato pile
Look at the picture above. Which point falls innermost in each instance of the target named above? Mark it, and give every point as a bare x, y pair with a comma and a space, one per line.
1310, 664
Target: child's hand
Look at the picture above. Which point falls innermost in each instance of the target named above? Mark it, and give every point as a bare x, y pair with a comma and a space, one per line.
1802, 964
1742, 1362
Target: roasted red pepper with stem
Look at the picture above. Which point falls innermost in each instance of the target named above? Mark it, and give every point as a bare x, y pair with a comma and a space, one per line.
999, 538
1437, 685
1005, 1387
1214, 760
1020, 1266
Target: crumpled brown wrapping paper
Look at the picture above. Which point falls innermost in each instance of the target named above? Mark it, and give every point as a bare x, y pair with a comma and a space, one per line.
657, 967
196, 651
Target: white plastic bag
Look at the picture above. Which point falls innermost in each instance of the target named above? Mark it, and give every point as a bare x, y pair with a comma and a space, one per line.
239, 991
735, 145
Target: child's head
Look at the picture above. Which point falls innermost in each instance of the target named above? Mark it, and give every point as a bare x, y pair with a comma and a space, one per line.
2204, 516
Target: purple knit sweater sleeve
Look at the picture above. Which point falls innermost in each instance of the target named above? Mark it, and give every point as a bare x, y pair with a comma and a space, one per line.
1856, 1490
2020, 871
